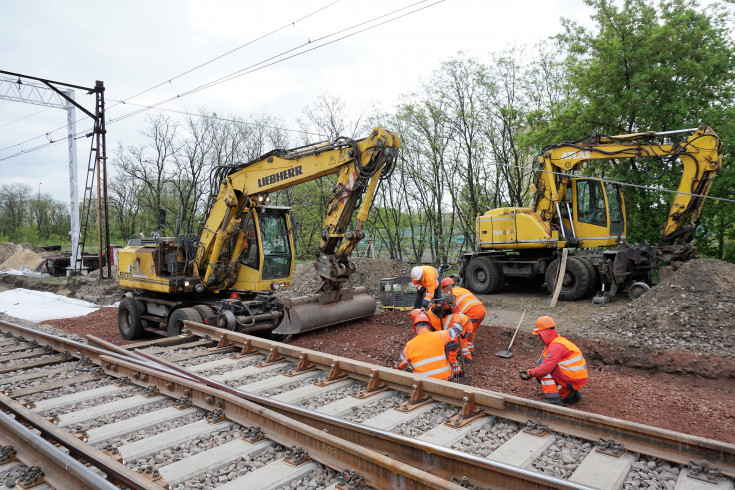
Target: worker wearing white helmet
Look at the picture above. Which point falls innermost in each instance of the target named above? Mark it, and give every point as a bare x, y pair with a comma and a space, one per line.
426, 278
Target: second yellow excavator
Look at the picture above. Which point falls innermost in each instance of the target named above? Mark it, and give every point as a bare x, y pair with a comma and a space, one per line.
229, 273
587, 216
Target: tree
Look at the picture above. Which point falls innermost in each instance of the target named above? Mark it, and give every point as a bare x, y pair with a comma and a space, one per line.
646, 66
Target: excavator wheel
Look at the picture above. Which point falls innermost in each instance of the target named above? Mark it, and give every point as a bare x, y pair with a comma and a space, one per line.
576, 279
128, 319
484, 276
637, 289
175, 321
204, 311
594, 277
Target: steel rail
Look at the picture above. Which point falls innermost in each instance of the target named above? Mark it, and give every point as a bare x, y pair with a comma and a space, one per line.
59, 469
438, 460
661, 443
54, 462
59, 344
380, 471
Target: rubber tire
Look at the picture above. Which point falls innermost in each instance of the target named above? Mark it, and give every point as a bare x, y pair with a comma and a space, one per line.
576, 279
128, 320
594, 277
204, 311
638, 289
483, 276
176, 318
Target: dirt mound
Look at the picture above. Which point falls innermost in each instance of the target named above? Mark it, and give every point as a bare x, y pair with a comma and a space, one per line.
7, 250
693, 308
369, 273
24, 257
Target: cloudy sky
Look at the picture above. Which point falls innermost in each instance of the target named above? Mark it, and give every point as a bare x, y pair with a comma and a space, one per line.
135, 46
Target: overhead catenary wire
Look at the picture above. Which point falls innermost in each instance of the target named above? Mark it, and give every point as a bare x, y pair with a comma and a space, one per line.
255, 67
291, 23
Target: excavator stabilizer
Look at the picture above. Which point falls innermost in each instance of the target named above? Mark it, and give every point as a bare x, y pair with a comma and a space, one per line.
316, 311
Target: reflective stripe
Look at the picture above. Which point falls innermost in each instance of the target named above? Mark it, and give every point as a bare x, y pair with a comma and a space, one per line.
403, 358
427, 361
548, 382
571, 361
469, 305
576, 368
435, 371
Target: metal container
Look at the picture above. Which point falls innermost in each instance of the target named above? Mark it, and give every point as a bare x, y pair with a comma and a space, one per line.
397, 293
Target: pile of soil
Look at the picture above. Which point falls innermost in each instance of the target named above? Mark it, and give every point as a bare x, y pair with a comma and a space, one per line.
694, 308
24, 257
8, 249
369, 273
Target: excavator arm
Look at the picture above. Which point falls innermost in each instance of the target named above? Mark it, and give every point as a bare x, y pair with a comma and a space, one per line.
360, 165
700, 156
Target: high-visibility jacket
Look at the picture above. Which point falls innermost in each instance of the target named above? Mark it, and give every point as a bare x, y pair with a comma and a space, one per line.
564, 361
425, 353
465, 302
429, 281
457, 322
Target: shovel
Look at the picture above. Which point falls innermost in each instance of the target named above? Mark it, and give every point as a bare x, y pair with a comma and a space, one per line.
507, 352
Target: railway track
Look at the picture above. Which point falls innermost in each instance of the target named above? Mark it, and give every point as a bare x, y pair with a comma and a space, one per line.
217, 408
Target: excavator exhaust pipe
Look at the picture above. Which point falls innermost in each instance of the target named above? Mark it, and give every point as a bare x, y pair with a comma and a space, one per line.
317, 311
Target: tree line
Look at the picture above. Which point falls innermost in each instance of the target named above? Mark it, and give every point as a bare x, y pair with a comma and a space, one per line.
471, 134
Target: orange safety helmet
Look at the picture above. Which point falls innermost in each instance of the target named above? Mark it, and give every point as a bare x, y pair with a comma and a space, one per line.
447, 281
544, 323
418, 316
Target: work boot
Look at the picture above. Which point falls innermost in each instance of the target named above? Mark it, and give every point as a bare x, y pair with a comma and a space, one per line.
553, 401
573, 397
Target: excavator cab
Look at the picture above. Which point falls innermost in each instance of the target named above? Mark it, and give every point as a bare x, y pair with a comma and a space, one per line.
597, 210
267, 257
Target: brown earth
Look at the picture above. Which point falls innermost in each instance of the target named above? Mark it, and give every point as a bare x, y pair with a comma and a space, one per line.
668, 352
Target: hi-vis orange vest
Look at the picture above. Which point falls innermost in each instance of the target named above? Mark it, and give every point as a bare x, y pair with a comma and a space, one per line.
464, 300
429, 281
573, 365
426, 354
449, 320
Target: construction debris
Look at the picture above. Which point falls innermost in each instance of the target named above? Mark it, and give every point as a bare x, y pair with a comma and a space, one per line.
693, 308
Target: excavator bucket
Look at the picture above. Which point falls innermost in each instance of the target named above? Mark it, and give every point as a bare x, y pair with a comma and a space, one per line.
316, 311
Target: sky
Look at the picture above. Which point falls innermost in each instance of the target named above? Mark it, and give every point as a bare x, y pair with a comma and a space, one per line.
149, 47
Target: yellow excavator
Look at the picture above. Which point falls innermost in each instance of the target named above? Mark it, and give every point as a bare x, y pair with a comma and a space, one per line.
228, 275
587, 216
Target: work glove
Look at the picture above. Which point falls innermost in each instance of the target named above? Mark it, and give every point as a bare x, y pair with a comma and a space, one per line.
395, 365
524, 375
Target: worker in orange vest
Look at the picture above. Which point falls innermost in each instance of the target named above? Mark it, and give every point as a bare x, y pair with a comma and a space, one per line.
463, 301
442, 318
426, 278
426, 353
561, 369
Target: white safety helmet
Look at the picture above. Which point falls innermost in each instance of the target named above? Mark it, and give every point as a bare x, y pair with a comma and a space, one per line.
416, 273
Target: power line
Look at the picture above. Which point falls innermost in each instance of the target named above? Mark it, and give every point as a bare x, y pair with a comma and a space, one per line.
273, 60
165, 82
252, 68
534, 169
224, 119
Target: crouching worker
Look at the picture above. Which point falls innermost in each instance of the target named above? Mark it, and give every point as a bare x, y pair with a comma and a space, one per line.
463, 301
441, 317
426, 353
561, 369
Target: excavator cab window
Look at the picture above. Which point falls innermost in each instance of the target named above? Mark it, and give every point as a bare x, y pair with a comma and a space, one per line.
591, 206
250, 255
276, 245
615, 204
